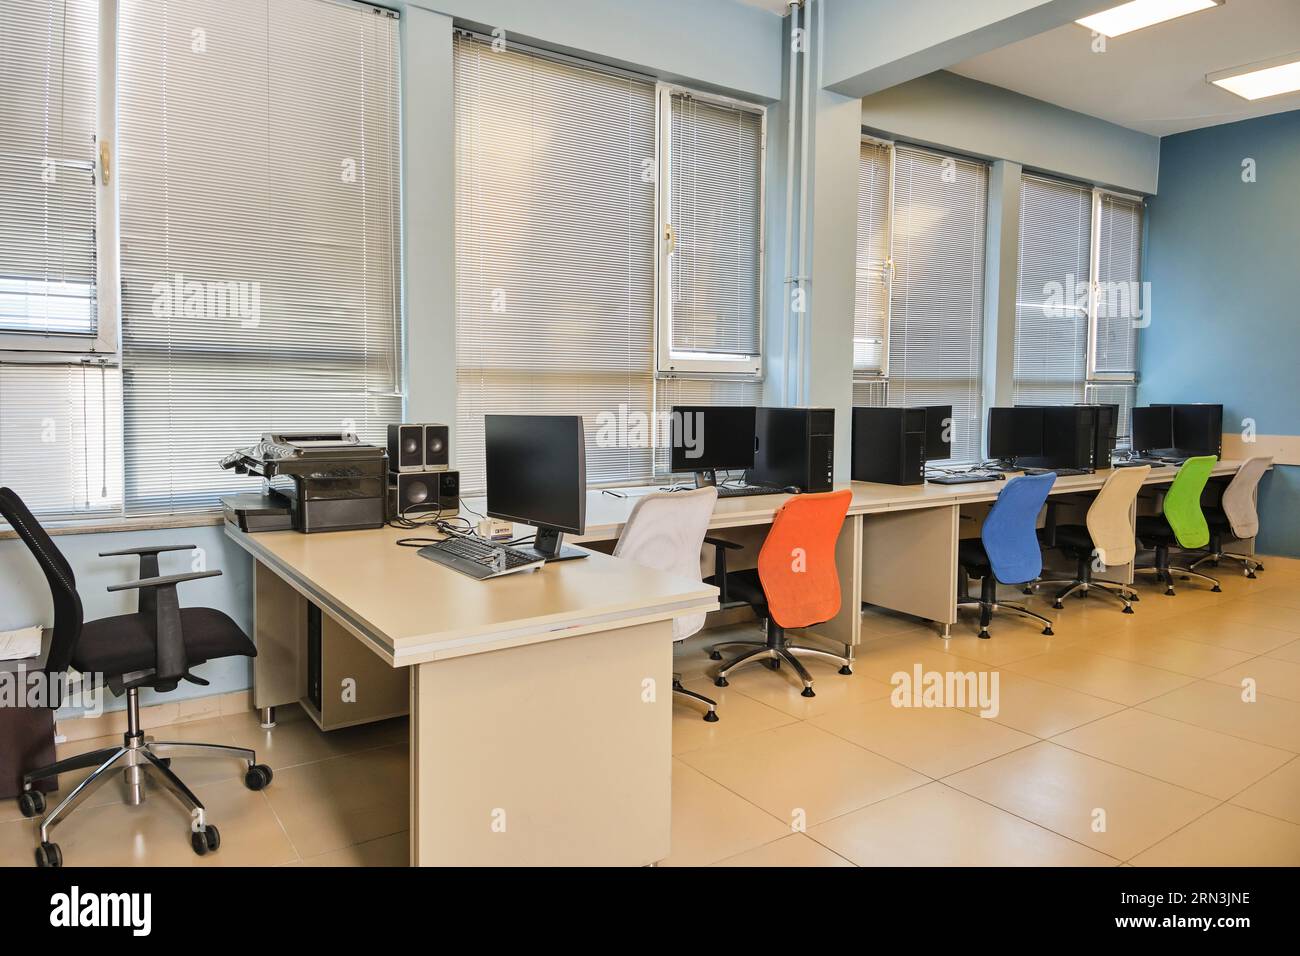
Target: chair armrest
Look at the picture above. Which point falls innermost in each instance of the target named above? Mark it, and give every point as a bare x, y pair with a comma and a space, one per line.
168, 580
146, 550
720, 549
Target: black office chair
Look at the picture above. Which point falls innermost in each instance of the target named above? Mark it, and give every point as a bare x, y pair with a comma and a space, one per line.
155, 647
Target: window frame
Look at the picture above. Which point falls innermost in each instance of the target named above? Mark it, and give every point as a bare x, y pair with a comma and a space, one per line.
104, 342
678, 365
1091, 375
881, 375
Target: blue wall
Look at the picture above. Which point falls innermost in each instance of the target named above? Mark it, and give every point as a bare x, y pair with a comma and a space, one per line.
1223, 259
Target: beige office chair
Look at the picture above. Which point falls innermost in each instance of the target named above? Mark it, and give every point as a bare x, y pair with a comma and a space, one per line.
1236, 515
666, 532
1107, 538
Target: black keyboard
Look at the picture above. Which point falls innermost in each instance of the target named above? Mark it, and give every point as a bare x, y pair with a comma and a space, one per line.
966, 478
1059, 472
478, 558
747, 491
1134, 462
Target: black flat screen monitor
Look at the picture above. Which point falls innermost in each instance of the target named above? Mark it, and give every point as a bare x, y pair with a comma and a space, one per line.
707, 439
1198, 429
537, 475
938, 432
1015, 433
1153, 428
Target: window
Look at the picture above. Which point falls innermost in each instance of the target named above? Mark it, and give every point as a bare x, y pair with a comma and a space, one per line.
260, 254
936, 300
871, 292
561, 261
1080, 299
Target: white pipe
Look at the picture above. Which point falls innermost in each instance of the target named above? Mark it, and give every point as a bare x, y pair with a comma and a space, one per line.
787, 287
805, 326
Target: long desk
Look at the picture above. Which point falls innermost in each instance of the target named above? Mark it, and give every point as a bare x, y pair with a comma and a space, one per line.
540, 703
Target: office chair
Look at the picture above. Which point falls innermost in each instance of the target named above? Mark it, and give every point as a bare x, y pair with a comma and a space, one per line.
1106, 535
154, 647
1236, 515
1007, 549
1181, 522
796, 584
665, 532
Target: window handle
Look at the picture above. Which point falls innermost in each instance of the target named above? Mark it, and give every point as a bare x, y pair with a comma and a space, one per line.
104, 161
670, 238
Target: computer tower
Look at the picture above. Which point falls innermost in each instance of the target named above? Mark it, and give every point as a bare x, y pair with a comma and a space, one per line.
794, 447
1069, 438
1105, 434
889, 445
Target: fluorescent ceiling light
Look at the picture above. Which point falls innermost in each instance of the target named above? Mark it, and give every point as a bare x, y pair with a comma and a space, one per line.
1258, 80
1128, 17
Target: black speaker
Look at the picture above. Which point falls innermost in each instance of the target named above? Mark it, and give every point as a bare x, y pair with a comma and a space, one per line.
418, 448
889, 445
416, 493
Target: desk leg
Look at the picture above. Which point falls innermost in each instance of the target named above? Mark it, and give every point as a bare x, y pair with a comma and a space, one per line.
556, 753
280, 633
910, 562
846, 626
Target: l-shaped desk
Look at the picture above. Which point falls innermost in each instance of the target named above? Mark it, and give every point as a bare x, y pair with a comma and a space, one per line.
540, 704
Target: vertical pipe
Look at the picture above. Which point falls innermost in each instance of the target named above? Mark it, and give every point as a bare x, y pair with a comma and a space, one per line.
787, 279
805, 326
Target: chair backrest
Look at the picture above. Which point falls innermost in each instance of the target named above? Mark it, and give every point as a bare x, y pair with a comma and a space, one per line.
1182, 505
1239, 497
1110, 518
1010, 532
63, 585
666, 532
797, 562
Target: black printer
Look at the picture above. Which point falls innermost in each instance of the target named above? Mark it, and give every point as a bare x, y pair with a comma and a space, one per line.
331, 481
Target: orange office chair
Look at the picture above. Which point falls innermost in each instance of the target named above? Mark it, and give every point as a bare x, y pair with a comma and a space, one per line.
796, 584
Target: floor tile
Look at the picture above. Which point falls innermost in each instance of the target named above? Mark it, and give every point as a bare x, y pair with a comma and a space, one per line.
782, 689
882, 659
1106, 677
1287, 652
710, 823
1009, 645
935, 741
1218, 629
802, 772
793, 850
1277, 795
1165, 651
18, 839
738, 715
938, 826
1042, 709
296, 739
1282, 595
1272, 721
1277, 678
391, 850
1202, 760
1071, 793
1228, 836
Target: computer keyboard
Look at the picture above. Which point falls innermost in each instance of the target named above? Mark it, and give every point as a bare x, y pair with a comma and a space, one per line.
478, 558
1059, 472
1134, 462
966, 478
746, 491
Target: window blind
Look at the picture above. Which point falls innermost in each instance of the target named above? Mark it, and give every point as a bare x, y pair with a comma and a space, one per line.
694, 391
259, 203
555, 253
1051, 304
936, 301
871, 295
48, 78
1120, 300
715, 157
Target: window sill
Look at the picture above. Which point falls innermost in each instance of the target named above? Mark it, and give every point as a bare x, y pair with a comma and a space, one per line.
113, 525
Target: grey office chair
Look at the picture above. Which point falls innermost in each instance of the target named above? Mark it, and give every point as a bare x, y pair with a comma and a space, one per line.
155, 647
666, 532
1236, 515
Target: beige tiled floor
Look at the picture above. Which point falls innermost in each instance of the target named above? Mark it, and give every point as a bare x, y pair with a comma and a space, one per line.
1171, 736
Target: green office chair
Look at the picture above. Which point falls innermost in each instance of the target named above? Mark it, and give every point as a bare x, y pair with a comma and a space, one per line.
1181, 522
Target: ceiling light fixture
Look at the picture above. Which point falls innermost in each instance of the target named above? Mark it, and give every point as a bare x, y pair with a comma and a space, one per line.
1255, 81
1137, 14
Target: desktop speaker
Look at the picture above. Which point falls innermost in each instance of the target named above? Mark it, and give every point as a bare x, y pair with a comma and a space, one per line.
416, 493
418, 448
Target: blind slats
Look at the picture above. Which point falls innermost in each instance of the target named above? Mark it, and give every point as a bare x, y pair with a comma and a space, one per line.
259, 184
871, 292
1119, 270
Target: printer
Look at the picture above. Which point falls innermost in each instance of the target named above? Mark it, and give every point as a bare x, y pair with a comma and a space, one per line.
318, 481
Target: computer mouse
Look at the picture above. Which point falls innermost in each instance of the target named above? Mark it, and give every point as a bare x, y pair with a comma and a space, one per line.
792, 490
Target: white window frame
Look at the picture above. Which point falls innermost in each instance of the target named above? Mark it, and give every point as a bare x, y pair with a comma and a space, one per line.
670, 364
27, 347
1091, 376
881, 375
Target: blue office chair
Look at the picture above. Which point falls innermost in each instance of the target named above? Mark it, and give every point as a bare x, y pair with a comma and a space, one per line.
1007, 549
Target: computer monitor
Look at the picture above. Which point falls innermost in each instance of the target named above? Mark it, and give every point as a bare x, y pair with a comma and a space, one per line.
938, 432
1153, 429
1015, 433
537, 475
707, 439
1197, 430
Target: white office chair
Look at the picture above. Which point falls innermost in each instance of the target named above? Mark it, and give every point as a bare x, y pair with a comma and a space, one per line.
666, 532
1236, 515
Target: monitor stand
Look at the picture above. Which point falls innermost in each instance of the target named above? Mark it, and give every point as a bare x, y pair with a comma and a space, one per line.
547, 544
706, 479
1005, 464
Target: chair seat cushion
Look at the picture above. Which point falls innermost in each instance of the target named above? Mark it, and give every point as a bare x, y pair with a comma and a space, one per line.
744, 586
1218, 521
1074, 539
1154, 529
972, 556
121, 645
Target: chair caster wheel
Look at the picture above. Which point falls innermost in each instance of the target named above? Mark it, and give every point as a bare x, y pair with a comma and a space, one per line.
711, 717
49, 856
808, 692
1058, 605
1027, 591
984, 635
1134, 599
714, 656
1250, 574
719, 682
207, 840
1216, 589
258, 777
846, 670
1259, 567
31, 803
1128, 609
1049, 632
1169, 592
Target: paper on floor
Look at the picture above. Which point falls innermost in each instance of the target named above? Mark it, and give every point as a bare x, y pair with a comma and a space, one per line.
22, 643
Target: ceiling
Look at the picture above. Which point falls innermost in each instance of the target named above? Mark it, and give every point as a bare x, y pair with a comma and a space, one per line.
1151, 80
